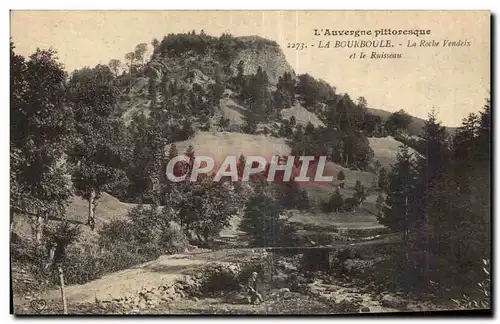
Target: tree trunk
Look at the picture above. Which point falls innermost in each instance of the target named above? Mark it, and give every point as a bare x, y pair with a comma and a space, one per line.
63, 294
406, 230
38, 229
92, 205
11, 221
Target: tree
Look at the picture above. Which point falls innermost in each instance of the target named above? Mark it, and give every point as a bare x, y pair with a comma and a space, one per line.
455, 223
250, 126
224, 123
263, 222
139, 51
187, 131
359, 193
146, 166
361, 102
398, 121
172, 151
115, 65
130, 58
203, 207
379, 204
241, 165
155, 43
255, 93
358, 186
285, 91
41, 130
431, 167
240, 74
397, 214
383, 181
100, 150
341, 176
336, 203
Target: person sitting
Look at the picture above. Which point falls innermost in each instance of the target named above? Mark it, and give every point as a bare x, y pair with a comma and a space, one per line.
253, 294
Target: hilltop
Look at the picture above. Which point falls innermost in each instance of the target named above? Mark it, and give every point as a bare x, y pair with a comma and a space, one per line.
415, 128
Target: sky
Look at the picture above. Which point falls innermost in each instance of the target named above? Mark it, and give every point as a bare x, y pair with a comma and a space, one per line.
452, 80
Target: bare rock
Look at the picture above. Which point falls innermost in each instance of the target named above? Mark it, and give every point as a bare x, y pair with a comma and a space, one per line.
393, 302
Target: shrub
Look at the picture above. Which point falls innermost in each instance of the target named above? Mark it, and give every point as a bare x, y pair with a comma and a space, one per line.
220, 277
143, 237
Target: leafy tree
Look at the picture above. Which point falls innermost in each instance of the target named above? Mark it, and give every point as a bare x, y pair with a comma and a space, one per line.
41, 130
357, 151
203, 207
155, 43
130, 57
139, 51
264, 223
115, 65
362, 103
147, 164
291, 196
313, 91
187, 131
398, 121
372, 125
99, 152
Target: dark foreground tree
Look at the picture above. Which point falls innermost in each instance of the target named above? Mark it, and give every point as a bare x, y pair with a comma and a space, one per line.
396, 213
40, 132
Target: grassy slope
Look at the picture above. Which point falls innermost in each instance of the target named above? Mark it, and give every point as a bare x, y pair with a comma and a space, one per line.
385, 150
221, 144
218, 145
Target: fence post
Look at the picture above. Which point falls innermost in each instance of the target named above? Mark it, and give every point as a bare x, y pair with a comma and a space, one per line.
63, 296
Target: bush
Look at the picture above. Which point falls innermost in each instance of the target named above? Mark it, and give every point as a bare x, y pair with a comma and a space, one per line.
143, 237
219, 278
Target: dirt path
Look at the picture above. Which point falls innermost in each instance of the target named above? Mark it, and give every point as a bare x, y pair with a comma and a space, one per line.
164, 271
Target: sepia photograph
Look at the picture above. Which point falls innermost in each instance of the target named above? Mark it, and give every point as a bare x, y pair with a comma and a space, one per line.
244, 162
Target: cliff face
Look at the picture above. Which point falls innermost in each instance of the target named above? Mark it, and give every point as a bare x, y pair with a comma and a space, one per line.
270, 57
191, 66
188, 67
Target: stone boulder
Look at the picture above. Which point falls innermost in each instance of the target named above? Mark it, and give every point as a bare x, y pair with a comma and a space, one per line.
393, 302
